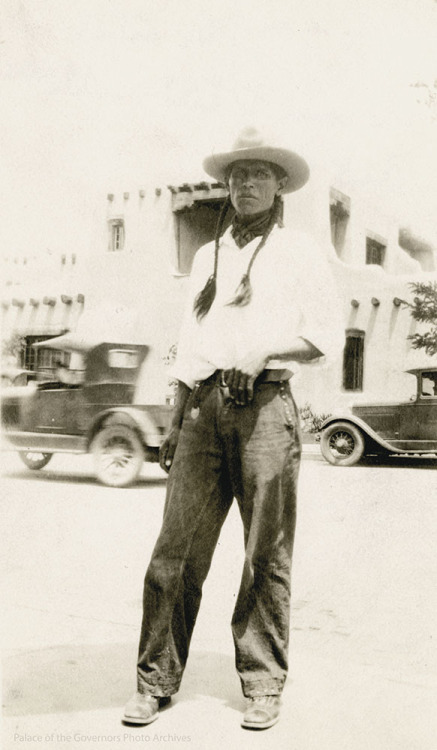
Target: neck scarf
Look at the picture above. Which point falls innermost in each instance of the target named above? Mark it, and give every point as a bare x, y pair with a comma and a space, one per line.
246, 228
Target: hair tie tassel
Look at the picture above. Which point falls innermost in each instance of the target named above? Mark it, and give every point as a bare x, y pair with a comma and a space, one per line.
205, 298
243, 293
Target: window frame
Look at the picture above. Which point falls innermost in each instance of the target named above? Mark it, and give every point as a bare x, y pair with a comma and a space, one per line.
339, 215
353, 360
374, 246
117, 235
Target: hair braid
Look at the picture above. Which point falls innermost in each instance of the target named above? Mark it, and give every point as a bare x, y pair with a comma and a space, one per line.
205, 298
243, 293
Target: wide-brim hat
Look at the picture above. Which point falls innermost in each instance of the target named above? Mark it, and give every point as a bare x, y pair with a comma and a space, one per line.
251, 144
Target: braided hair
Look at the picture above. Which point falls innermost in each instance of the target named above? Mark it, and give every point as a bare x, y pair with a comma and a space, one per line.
205, 298
243, 293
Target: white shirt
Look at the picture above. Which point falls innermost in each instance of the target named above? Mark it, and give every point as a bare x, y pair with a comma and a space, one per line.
293, 295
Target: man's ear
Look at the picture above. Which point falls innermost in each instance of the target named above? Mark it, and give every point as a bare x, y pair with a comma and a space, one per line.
282, 183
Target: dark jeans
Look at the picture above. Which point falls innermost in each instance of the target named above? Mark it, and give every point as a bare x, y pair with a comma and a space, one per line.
224, 451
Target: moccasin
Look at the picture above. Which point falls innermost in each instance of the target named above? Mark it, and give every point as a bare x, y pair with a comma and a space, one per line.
262, 712
143, 708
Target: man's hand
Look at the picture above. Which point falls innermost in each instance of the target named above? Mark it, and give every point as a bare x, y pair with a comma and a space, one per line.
167, 449
241, 378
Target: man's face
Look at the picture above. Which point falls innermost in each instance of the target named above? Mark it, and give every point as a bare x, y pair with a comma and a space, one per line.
253, 186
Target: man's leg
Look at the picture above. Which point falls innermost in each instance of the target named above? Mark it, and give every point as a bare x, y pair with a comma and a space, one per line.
265, 471
198, 500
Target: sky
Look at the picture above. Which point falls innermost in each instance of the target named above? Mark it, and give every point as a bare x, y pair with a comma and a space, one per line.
108, 95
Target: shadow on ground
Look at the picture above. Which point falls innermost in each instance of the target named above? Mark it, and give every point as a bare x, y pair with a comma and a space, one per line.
401, 462
70, 678
380, 462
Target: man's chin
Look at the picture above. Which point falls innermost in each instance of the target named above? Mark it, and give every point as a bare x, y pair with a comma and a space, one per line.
248, 208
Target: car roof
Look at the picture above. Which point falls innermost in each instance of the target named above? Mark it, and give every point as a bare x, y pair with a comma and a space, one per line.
70, 342
428, 368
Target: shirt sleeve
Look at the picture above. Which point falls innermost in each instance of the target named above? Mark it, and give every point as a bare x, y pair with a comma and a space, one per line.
322, 322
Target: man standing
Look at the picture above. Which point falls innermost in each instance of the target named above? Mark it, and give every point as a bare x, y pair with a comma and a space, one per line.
261, 299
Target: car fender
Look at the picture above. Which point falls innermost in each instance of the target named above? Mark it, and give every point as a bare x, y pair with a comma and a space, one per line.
138, 420
364, 427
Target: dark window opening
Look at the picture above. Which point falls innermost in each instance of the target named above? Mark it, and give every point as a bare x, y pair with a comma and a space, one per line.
50, 359
418, 248
195, 226
339, 212
375, 252
31, 358
116, 235
353, 361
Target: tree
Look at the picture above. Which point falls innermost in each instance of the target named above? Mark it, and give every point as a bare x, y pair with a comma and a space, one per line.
424, 310
13, 348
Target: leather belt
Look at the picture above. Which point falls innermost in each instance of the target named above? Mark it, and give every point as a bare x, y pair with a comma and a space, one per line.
266, 376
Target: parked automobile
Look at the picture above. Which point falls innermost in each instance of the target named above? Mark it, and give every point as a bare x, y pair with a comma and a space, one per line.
82, 401
408, 427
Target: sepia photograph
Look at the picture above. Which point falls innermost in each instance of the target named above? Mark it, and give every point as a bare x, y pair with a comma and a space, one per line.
218, 253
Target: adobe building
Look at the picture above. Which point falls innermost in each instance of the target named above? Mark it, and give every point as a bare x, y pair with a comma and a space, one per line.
42, 296
148, 238
133, 284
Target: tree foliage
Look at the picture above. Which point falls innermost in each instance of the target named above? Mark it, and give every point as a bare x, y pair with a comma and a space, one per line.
13, 347
424, 310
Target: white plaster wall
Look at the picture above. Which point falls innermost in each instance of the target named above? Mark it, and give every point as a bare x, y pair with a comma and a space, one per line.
142, 279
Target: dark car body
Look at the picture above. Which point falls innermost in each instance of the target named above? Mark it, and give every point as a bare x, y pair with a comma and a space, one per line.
406, 427
71, 405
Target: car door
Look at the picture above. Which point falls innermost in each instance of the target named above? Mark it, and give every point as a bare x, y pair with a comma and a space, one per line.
427, 408
57, 408
419, 418
409, 432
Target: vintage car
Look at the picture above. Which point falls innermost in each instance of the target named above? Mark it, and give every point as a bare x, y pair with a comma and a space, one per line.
82, 401
408, 427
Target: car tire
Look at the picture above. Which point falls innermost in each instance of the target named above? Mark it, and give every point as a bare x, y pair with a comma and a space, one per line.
342, 444
118, 455
35, 460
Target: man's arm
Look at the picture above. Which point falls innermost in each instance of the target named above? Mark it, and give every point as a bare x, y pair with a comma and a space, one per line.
168, 447
240, 379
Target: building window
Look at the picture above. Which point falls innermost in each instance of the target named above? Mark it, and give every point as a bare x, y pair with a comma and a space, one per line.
339, 212
116, 235
419, 249
30, 357
50, 359
353, 361
375, 251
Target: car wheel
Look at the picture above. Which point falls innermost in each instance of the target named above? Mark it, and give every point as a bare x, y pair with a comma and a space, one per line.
35, 459
342, 444
118, 455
